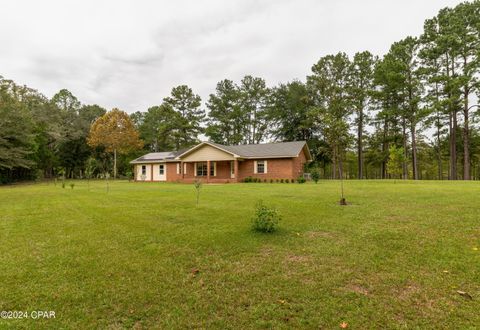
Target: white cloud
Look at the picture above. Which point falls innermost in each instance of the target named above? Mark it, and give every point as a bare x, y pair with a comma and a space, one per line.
129, 54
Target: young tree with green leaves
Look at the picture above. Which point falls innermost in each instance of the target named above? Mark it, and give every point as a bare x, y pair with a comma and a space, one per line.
395, 161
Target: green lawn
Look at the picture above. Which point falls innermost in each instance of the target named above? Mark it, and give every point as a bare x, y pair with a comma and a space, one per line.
394, 258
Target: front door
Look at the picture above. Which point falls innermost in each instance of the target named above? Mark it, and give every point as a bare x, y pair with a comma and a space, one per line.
232, 170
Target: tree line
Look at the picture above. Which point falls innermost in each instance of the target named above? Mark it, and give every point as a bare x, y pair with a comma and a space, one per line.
419, 100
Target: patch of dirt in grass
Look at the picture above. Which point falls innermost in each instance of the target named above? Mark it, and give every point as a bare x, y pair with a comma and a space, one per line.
408, 291
319, 234
356, 288
394, 217
266, 251
298, 259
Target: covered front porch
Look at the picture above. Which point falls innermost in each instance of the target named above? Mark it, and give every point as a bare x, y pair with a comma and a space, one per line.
210, 171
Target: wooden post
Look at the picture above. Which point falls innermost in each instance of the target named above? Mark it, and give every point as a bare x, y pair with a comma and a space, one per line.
208, 171
151, 172
182, 170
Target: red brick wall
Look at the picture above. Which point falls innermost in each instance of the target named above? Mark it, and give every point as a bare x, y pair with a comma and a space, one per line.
223, 170
172, 175
190, 174
298, 163
277, 168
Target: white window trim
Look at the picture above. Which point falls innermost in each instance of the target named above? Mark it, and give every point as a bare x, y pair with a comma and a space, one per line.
178, 168
255, 167
184, 168
160, 167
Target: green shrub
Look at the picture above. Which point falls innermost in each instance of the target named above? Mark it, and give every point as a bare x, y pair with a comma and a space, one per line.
276, 180
315, 174
264, 180
281, 180
63, 184
271, 180
287, 181
247, 179
301, 179
266, 218
72, 185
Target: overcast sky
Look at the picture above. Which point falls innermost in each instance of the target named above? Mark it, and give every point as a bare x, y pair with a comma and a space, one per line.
129, 54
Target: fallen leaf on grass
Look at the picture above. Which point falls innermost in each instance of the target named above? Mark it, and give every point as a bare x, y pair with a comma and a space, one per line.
281, 301
344, 325
465, 294
475, 249
195, 271
446, 271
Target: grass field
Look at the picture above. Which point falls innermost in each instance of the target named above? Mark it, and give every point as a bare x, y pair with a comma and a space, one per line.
394, 258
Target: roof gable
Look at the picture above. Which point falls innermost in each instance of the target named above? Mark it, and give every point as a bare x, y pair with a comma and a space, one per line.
205, 152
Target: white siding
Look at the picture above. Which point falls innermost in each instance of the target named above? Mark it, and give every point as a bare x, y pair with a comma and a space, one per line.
148, 175
156, 172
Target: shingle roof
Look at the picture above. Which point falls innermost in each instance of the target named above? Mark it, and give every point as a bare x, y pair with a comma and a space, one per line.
157, 157
280, 149
265, 150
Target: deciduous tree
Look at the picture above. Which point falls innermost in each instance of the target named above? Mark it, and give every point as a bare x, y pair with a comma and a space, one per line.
116, 132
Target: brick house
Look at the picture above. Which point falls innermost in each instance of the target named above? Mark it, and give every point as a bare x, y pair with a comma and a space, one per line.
217, 163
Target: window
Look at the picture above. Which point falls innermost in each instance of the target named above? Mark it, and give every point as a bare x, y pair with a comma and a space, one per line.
201, 169
144, 170
260, 167
161, 168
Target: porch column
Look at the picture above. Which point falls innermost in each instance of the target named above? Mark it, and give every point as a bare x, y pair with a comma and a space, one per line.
208, 171
235, 169
182, 170
151, 172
